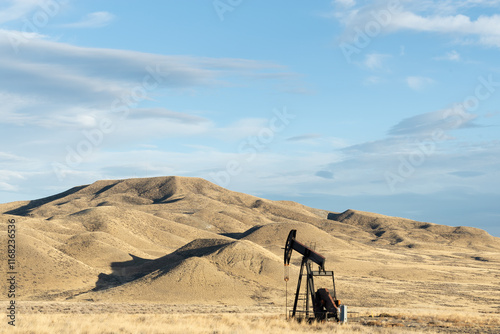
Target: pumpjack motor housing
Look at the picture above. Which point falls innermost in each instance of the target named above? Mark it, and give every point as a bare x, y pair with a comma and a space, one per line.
324, 305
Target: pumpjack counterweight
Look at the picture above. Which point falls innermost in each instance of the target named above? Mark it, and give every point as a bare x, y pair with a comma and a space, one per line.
325, 306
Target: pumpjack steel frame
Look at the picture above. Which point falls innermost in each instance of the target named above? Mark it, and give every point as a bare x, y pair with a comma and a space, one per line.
324, 305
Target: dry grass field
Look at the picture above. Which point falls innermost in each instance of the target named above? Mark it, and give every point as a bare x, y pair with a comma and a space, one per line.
172, 254
60, 317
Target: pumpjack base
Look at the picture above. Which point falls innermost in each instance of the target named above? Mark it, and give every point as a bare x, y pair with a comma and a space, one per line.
299, 317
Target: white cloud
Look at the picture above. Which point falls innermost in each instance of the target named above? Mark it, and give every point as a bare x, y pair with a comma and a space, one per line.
241, 128
162, 114
17, 9
345, 3
375, 61
158, 124
451, 56
418, 83
9, 157
9, 176
4, 186
51, 91
92, 20
490, 41
70, 90
305, 137
483, 26
373, 80
426, 124
427, 16
420, 154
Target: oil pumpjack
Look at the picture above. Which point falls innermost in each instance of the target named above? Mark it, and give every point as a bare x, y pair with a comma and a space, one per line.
325, 306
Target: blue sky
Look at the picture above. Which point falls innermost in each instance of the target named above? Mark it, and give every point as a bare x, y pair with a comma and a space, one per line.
384, 106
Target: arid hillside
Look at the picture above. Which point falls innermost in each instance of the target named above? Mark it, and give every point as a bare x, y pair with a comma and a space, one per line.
185, 240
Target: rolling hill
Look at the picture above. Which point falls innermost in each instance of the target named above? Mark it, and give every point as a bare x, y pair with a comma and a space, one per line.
186, 240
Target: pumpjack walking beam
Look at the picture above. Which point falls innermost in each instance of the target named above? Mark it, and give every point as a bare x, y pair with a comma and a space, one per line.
293, 244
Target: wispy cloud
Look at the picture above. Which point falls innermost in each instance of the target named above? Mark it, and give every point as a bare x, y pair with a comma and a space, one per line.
419, 83
325, 174
50, 91
10, 171
466, 173
345, 3
15, 9
4, 186
6, 158
304, 137
373, 80
165, 114
375, 61
423, 145
427, 123
451, 56
92, 20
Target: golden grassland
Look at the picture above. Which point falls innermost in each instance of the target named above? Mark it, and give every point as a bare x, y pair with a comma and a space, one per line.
62, 318
163, 323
